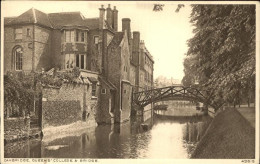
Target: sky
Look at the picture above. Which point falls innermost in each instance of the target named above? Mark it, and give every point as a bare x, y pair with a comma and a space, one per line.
165, 33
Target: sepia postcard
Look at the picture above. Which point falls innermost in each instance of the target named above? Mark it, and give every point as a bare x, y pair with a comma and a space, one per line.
129, 82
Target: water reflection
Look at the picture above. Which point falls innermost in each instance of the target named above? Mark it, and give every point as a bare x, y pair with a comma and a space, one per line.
167, 138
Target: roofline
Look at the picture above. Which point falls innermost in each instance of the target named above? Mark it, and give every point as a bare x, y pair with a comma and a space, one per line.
75, 26
22, 24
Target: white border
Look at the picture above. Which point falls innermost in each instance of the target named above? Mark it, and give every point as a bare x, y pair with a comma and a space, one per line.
194, 161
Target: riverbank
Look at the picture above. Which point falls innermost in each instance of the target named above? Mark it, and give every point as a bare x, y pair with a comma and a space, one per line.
230, 136
248, 113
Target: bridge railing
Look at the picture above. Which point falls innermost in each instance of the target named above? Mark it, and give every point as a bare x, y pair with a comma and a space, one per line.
144, 98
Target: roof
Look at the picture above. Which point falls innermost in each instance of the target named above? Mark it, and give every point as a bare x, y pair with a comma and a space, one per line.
92, 23
59, 20
52, 20
31, 16
108, 83
117, 38
7, 20
92, 79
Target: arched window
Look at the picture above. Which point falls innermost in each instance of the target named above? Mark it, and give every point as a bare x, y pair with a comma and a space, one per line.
18, 58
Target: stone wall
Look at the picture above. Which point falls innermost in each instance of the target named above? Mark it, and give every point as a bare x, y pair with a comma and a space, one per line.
126, 101
16, 128
35, 46
67, 105
105, 112
57, 113
10, 43
42, 48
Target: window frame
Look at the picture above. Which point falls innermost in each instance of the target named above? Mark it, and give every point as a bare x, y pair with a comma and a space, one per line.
20, 62
16, 33
94, 89
71, 56
94, 38
103, 91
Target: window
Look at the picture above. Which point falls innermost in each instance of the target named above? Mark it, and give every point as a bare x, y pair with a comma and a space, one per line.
18, 56
69, 61
96, 38
103, 91
80, 36
28, 32
69, 36
94, 88
18, 33
81, 61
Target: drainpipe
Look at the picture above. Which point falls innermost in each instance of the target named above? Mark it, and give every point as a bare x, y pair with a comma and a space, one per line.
33, 53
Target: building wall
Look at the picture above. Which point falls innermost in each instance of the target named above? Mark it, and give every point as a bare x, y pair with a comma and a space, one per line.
94, 55
42, 48
56, 55
66, 105
132, 74
126, 101
10, 43
36, 47
114, 75
106, 100
148, 67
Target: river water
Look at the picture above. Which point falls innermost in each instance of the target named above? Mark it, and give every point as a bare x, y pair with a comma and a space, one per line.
168, 137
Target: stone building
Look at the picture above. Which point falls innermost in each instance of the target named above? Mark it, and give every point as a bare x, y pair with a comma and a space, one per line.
110, 62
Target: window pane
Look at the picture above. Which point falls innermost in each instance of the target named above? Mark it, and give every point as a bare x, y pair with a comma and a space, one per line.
82, 61
96, 39
18, 31
72, 61
18, 59
94, 89
67, 36
72, 36
67, 61
82, 36
77, 60
77, 36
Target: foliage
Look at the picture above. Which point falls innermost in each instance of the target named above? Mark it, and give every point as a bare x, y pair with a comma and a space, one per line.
221, 54
20, 89
18, 93
158, 7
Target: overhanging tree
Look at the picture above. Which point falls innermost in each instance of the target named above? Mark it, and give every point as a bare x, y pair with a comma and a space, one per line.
222, 51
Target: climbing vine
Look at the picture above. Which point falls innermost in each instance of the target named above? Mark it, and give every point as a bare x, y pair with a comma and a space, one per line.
20, 89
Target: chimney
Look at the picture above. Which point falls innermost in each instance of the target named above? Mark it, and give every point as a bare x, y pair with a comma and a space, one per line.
136, 40
136, 47
126, 26
101, 17
109, 16
115, 19
142, 44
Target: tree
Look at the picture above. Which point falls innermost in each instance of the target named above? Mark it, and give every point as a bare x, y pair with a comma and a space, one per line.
222, 52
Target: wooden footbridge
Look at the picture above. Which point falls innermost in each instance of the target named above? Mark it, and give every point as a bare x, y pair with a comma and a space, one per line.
175, 92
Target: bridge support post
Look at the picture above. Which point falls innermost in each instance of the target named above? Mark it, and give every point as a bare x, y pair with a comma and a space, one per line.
140, 111
205, 108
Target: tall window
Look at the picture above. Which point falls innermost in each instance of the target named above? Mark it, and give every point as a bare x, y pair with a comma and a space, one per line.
80, 36
81, 61
94, 88
18, 33
69, 61
18, 57
69, 36
96, 38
